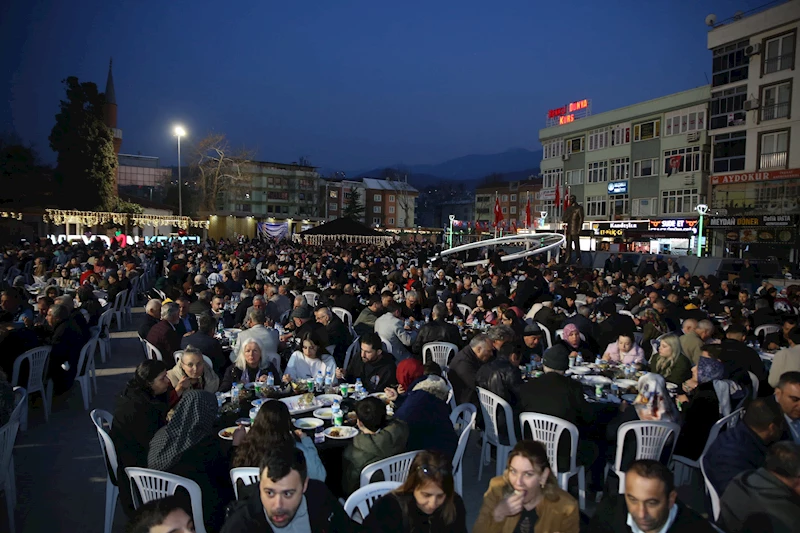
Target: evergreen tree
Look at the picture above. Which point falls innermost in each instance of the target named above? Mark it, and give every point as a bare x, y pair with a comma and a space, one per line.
353, 209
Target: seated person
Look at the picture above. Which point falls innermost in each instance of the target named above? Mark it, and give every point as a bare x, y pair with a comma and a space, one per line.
427, 414
172, 514
249, 367
572, 345
309, 361
378, 439
670, 362
532, 350
376, 369
203, 339
625, 351
192, 373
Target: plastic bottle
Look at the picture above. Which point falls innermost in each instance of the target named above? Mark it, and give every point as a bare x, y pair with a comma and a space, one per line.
598, 360
235, 395
328, 380
220, 327
337, 414
270, 380
578, 360
359, 388
319, 383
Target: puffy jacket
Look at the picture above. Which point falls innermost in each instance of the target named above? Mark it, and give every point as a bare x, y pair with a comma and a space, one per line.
735, 451
436, 331
464, 367
428, 417
502, 378
369, 448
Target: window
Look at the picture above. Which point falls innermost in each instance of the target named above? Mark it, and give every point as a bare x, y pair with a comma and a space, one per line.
284, 208
620, 168
727, 107
774, 150
575, 177
598, 139
504, 198
775, 101
595, 206
333, 206
273, 195
729, 152
647, 130
779, 53
691, 160
391, 197
376, 198
553, 210
729, 64
504, 210
513, 210
333, 194
513, 197
598, 172
391, 221
391, 209
575, 145
618, 205
376, 209
644, 207
553, 149
550, 178
621, 134
645, 167
679, 201
376, 220
685, 121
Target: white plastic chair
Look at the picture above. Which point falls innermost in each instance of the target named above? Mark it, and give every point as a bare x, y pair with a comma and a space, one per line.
756, 384
20, 407
104, 340
458, 458
548, 430
102, 422
710, 490
8, 435
547, 336
311, 297
683, 466
439, 352
152, 352
766, 329
464, 309
394, 468
87, 371
38, 360
344, 315
387, 346
364, 498
463, 416
154, 485
651, 437
246, 474
626, 313
490, 402
119, 307
355, 347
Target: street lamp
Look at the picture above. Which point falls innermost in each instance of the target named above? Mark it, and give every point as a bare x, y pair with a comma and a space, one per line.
452, 218
179, 132
702, 209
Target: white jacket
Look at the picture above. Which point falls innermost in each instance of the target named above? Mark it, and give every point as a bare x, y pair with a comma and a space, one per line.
302, 367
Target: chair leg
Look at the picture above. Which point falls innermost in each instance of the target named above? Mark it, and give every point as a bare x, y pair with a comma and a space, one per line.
85, 385
482, 461
582, 488
93, 370
12, 479
10, 497
47, 393
24, 420
112, 494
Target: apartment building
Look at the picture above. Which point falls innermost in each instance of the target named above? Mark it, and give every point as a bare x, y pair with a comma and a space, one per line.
387, 203
141, 176
512, 197
645, 161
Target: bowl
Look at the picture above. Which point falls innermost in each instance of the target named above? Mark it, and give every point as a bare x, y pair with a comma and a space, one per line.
308, 423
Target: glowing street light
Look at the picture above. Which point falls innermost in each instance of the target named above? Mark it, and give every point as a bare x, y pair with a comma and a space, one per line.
702, 209
179, 132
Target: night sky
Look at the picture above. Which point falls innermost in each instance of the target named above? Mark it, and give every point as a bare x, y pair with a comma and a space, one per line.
348, 84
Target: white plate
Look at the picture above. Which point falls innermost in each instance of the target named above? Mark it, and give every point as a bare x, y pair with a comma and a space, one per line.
626, 383
580, 370
296, 409
671, 386
325, 413
230, 430
381, 396
308, 423
328, 399
345, 432
596, 380
231, 331
259, 402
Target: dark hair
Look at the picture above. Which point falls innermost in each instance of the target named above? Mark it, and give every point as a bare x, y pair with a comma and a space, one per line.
788, 378
783, 458
154, 513
736, 329
281, 460
392, 307
313, 338
652, 469
372, 339
373, 299
206, 323
628, 335
271, 428
432, 368
371, 412
761, 413
507, 350
387, 294
13, 293
85, 293
146, 373
794, 335
429, 465
536, 454
713, 350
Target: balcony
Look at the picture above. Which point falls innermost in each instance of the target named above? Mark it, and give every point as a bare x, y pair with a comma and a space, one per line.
778, 63
773, 160
773, 111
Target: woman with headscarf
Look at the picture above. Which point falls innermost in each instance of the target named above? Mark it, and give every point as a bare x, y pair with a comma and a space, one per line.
653, 326
670, 362
571, 342
189, 447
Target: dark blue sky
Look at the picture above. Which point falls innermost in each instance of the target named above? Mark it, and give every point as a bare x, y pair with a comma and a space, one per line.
348, 84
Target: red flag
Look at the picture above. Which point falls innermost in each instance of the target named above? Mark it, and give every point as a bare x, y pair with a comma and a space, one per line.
513, 226
498, 213
674, 164
528, 213
558, 195
566, 199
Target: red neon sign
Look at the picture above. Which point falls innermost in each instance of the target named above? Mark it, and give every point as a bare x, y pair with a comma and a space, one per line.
568, 109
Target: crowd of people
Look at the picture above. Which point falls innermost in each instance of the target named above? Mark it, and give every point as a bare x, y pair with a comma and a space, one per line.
695, 337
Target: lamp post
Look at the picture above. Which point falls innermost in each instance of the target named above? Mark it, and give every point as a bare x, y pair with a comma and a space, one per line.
702, 209
179, 132
450, 238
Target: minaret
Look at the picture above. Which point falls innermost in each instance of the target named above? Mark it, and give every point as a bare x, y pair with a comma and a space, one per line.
110, 114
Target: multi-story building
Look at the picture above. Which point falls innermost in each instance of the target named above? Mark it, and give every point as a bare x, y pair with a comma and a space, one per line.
338, 194
141, 176
462, 209
512, 197
387, 203
755, 161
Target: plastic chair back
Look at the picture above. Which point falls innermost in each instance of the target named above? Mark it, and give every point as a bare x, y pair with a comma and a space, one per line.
311, 297
344, 315
155, 485
463, 439
490, 402
651, 437
119, 300
464, 309
364, 498
439, 352
464, 416
20, 404
547, 335
246, 474
710, 490
354, 348
756, 384
548, 430
37, 359
152, 352
8, 435
102, 421
394, 468
766, 329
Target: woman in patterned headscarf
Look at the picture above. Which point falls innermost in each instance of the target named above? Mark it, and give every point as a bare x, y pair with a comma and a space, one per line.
188, 446
653, 326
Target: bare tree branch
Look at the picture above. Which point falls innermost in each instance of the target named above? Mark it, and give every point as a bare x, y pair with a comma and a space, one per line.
220, 168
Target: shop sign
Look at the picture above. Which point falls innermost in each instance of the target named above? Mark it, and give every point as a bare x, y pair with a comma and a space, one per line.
546, 194
674, 224
760, 235
754, 177
130, 240
618, 229
618, 187
568, 113
754, 221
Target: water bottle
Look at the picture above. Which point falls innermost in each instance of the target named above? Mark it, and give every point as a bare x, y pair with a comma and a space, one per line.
319, 383
427, 318
328, 380
615, 389
220, 327
235, 395
337, 414
359, 388
598, 360
270, 380
578, 360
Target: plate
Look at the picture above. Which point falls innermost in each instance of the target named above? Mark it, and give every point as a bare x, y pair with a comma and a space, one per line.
227, 433
671, 386
325, 413
380, 395
308, 423
580, 369
328, 399
295, 408
243, 422
259, 402
626, 383
596, 380
341, 432
231, 331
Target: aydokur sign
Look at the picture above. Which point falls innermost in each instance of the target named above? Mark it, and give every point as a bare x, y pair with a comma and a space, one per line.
754, 177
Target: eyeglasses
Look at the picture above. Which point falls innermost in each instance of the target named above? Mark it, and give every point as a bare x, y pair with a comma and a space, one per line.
430, 471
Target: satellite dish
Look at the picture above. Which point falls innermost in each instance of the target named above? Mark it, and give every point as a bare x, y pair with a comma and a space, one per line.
711, 20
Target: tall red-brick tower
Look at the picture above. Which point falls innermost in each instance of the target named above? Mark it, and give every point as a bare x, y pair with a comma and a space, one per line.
110, 115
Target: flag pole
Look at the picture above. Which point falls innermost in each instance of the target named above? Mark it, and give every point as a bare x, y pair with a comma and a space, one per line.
495, 214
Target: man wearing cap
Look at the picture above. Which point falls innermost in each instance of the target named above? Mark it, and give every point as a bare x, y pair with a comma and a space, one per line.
532, 348
547, 316
303, 319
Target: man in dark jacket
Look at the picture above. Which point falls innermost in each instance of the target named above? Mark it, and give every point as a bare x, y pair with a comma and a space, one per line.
376, 369
738, 356
286, 498
203, 339
67, 340
202, 304
650, 503
745, 446
348, 301
164, 335
609, 329
437, 330
338, 334
464, 368
501, 376
152, 314
767, 499
187, 322
526, 292
547, 317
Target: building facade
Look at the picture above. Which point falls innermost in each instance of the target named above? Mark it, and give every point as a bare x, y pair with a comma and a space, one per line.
387, 203
142, 177
462, 209
512, 197
753, 123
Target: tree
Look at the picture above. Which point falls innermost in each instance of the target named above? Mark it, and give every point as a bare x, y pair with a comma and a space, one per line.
353, 209
86, 163
219, 169
25, 181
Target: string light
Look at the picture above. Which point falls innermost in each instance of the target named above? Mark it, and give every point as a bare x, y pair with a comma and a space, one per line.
93, 218
11, 214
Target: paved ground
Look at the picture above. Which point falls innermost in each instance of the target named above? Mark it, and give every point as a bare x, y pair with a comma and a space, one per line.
61, 473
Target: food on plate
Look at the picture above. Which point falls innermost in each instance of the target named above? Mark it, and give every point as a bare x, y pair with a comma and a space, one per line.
335, 432
785, 236
305, 400
732, 235
766, 236
748, 235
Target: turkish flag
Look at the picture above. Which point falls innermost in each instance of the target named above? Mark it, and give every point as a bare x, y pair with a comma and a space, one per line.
498, 213
513, 227
528, 213
566, 199
558, 195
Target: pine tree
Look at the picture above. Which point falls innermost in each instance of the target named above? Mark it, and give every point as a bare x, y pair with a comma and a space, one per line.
353, 209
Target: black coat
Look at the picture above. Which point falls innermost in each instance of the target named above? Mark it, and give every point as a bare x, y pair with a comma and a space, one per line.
388, 516
145, 325
326, 514
611, 516
67, 341
738, 356
375, 376
463, 370
234, 375
537, 396
339, 336
608, 330
526, 293
436, 331
549, 319
735, 451
500, 377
